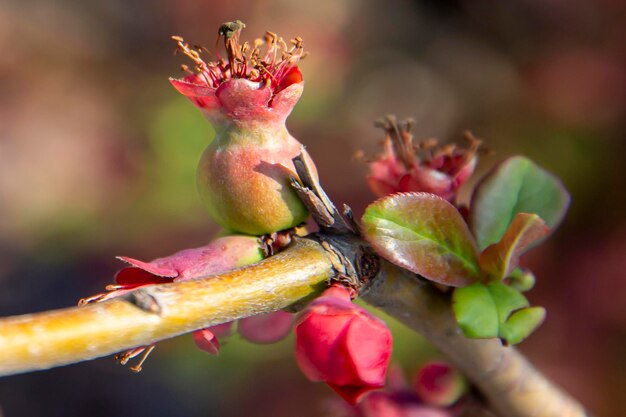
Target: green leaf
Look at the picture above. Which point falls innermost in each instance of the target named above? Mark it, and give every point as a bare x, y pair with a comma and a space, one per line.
476, 311
517, 185
499, 259
424, 234
506, 299
521, 279
495, 310
521, 324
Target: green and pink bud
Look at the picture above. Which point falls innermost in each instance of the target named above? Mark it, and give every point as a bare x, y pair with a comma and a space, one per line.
243, 176
437, 383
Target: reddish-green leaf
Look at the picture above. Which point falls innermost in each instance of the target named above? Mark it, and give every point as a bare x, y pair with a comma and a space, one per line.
517, 185
500, 259
424, 234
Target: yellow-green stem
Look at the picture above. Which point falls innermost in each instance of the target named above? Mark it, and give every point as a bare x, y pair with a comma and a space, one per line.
511, 385
53, 338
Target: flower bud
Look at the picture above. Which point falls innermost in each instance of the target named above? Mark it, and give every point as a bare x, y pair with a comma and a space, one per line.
436, 383
343, 345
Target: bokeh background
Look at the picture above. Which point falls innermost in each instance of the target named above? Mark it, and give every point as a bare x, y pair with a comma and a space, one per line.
98, 152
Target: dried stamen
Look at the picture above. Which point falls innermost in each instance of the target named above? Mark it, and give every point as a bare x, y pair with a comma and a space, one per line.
244, 60
399, 139
144, 351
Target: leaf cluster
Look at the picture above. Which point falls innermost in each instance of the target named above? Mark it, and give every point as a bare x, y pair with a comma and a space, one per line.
512, 209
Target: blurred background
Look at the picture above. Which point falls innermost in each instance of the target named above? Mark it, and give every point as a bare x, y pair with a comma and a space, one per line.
98, 153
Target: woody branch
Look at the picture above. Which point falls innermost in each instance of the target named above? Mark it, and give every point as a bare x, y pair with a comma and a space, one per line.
54, 338
510, 384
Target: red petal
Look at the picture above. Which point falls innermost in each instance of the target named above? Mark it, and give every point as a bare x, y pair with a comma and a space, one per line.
316, 335
206, 341
368, 344
292, 76
352, 394
138, 277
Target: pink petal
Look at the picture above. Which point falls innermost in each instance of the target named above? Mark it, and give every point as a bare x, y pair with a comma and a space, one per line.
266, 328
151, 267
190, 89
221, 255
202, 96
222, 330
284, 101
243, 99
380, 188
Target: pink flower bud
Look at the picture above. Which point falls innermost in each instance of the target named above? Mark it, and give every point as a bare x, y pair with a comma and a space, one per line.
343, 345
400, 168
438, 384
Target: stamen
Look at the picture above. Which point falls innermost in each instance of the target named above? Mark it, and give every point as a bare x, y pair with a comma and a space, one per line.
401, 138
137, 367
92, 299
124, 357
244, 60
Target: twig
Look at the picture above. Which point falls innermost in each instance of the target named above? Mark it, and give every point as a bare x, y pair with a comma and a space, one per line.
38, 341
147, 315
511, 385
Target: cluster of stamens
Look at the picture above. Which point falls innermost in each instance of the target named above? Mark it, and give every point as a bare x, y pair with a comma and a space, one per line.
243, 60
398, 135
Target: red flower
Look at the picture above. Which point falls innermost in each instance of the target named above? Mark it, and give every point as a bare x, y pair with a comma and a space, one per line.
400, 169
343, 345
